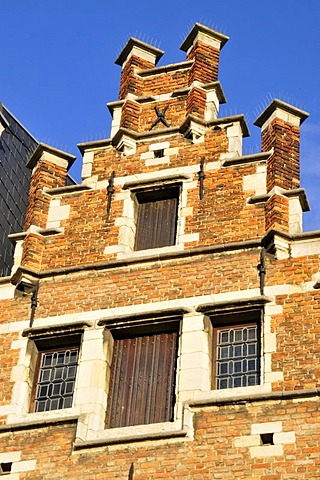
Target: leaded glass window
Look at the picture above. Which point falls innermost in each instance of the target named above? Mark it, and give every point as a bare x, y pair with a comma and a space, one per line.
56, 379
237, 356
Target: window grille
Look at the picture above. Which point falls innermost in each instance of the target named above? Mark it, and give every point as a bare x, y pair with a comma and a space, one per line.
56, 379
237, 356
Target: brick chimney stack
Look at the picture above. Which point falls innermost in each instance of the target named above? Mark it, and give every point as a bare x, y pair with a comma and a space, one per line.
280, 132
49, 170
136, 55
204, 45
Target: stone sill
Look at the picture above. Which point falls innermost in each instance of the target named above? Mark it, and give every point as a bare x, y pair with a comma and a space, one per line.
138, 433
231, 397
31, 422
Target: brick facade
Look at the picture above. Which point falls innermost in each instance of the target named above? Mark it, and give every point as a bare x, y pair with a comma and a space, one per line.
239, 285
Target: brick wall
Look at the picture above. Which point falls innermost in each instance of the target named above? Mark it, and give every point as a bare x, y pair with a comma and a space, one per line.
239, 255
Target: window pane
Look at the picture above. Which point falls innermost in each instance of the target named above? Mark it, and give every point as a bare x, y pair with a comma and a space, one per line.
237, 361
56, 380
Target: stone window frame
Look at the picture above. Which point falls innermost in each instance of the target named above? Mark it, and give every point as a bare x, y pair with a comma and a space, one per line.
61, 344
234, 320
254, 307
34, 341
146, 198
140, 326
128, 221
144, 323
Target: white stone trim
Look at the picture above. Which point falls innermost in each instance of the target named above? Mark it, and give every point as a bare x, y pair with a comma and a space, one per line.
256, 182
266, 451
7, 291
159, 146
282, 115
165, 160
141, 53
116, 120
87, 162
57, 213
212, 105
127, 222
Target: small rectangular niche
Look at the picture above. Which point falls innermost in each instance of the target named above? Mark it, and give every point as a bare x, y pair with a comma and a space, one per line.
5, 468
159, 153
266, 438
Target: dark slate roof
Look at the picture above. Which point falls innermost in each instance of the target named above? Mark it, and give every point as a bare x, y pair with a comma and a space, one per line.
16, 145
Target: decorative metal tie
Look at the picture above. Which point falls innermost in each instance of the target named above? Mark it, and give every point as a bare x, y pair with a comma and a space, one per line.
110, 192
160, 117
201, 177
262, 269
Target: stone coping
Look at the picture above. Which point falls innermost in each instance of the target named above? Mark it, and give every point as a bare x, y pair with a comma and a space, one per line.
198, 27
95, 144
132, 42
296, 192
244, 159
217, 122
165, 68
67, 189
314, 234
42, 147
247, 244
45, 232
276, 103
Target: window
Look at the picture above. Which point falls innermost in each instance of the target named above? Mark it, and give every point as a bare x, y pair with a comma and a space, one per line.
236, 355
142, 377
55, 377
157, 217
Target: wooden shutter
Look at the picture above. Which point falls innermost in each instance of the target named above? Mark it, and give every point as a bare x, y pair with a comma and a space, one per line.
157, 218
142, 380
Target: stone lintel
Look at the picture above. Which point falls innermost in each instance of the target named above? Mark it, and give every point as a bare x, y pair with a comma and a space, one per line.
138, 184
198, 29
42, 149
277, 106
233, 305
141, 318
63, 329
134, 43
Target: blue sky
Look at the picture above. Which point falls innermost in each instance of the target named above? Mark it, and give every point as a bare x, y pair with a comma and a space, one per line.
58, 72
